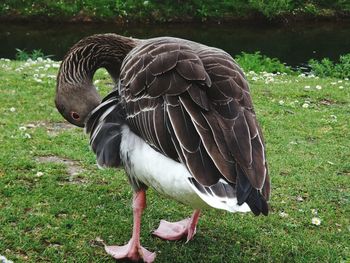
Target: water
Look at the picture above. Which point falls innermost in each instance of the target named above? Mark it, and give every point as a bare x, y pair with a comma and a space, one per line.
291, 44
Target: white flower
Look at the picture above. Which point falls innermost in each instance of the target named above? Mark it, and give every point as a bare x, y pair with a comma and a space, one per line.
318, 87
283, 214
281, 102
314, 211
316, 221
22, 128
3, 259
340, 81
12, 109
300, 198
39, 174
307, 87
333, 83
305, 105
346, 79
27, 136
341, 87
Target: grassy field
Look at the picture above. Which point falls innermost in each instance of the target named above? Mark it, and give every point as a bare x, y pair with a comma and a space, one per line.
55, 205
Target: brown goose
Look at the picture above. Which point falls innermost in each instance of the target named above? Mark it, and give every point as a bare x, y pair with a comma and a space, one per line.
180, 120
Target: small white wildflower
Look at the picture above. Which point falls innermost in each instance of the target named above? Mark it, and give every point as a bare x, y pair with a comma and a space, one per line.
22, 128
316, 221
346, 79
283, 214
12, 109
40, 59
333, 83
318, 87
305, 105
307, 87
293, 143
281, 102
255, 78
39, 174
300, 198
3, 259
145, 2
56, 65
340, 81
341, 87
38, 80
314, 211
96, 81
27, 136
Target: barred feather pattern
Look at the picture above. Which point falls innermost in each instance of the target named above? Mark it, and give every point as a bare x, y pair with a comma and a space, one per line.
91, 53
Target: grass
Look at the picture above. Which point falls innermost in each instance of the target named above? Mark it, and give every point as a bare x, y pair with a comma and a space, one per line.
163, 11
48, 215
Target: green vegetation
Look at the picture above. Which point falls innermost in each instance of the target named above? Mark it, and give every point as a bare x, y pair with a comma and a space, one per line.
327, 68
179, 10
50, 214
23, 55
258, 63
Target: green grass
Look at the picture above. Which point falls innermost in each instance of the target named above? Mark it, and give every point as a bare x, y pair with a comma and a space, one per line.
55, 217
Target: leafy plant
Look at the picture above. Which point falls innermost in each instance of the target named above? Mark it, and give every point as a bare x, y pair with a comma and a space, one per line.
327, 68
23, 55
257, 62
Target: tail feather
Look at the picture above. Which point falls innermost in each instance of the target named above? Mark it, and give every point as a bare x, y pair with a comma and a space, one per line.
253, 197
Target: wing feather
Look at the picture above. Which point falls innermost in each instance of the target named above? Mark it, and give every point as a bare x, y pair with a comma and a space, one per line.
192, 103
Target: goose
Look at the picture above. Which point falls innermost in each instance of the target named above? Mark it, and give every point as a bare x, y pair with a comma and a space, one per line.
180, 120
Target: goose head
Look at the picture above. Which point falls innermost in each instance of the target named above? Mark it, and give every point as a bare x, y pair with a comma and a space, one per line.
76, 102
76, 96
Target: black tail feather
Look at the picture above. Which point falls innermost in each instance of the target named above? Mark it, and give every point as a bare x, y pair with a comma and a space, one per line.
253, 197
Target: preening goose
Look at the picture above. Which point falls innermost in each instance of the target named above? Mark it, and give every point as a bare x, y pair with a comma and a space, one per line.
180, 120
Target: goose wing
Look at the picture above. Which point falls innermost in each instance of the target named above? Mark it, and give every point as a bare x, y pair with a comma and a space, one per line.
192, 103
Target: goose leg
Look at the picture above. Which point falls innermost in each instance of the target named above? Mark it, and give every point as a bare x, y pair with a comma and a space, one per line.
133, 250
177, 230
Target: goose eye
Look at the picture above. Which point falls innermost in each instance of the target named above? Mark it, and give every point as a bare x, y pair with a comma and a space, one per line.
75, 115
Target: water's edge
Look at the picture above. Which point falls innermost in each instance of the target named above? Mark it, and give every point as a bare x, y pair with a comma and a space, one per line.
291, 44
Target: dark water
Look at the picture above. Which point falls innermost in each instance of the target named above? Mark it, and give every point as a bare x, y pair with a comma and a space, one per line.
291, 44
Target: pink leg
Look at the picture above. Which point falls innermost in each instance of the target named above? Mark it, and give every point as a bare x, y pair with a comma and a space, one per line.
178, 230
133, 250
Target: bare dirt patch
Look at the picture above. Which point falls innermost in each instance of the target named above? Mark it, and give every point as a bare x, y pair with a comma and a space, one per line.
73, 168
53, 128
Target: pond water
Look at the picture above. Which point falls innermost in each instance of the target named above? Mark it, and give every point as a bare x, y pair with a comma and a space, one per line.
291, 44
